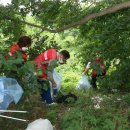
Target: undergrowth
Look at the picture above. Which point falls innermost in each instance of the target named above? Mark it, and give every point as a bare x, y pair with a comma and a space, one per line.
92, 111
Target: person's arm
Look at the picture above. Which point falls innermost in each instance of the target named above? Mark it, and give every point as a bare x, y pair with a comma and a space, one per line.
50, 76
13, 49
87, 68
103, 67
52, 64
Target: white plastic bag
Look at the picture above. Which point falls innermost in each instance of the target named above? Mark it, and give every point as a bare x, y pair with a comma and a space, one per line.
40, 124
58, 79
83, 83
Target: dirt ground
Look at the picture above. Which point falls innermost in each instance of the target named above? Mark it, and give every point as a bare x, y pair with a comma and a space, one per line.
36, 109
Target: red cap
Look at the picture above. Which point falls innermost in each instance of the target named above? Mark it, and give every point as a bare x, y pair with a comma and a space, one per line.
98, 59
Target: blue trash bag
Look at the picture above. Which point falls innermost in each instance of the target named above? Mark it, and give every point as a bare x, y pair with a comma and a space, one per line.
10, 91
5, 100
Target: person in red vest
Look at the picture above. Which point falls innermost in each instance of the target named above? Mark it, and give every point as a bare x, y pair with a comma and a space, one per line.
45, 63
94, 73
21, 45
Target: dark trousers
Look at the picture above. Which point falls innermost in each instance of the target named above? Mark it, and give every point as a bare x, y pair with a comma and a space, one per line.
45, 91
93, 82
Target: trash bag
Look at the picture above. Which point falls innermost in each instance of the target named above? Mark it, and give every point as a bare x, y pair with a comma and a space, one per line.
40, 124
58, 79
5, 100
10, 91
68, 98
83, 83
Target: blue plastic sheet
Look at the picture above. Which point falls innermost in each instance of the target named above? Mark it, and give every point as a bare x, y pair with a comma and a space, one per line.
10, 91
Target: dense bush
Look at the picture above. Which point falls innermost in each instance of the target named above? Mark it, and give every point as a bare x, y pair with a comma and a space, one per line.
111, 113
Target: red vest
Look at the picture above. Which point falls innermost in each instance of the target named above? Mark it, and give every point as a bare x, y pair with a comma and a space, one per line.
15, 47
43, 59
103, 67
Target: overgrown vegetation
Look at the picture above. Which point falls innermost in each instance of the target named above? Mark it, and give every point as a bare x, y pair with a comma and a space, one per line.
107, 36
111, 114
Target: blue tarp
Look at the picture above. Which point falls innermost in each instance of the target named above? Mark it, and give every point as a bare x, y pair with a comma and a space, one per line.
10, 91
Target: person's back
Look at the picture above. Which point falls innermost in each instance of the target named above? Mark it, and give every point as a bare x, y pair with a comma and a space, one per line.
46, 56
42, 61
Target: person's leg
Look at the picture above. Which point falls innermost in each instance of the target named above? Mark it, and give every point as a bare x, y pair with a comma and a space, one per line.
45, 91
54, 94
46, 94
93, 82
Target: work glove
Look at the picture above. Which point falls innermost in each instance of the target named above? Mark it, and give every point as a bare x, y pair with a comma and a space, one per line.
53, 84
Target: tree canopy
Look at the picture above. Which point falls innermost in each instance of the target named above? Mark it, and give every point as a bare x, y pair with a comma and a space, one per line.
98, 27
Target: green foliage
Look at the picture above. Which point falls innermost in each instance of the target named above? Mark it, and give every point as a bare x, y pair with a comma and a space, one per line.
109, 38
69, 81
51, 115
52, 64
71, 10
84, 116
38, 48
11, 30
42, 45
45, 14
127, 99
51, 13
70, 121
14, 67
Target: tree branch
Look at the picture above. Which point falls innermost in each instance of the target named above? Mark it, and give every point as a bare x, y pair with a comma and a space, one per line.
84, 20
